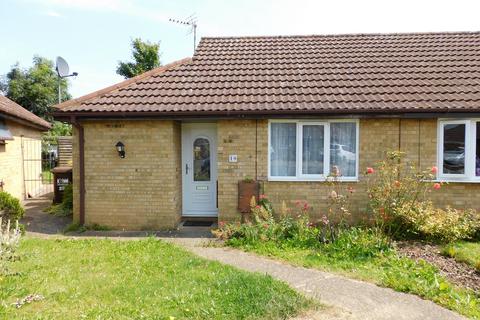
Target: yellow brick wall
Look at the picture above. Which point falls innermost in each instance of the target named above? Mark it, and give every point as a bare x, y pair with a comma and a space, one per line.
377, 136
75, 174
11, 163
141, 191
236, 137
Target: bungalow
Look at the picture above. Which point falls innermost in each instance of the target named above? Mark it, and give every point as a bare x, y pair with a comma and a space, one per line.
20, 141
175, 141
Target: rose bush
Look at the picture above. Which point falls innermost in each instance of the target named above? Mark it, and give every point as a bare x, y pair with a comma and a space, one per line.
400, 205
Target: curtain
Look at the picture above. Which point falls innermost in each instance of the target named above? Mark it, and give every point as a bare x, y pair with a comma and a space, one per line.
343, 147
283, 139
312, 149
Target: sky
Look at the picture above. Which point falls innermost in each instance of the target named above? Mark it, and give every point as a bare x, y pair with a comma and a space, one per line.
94, 35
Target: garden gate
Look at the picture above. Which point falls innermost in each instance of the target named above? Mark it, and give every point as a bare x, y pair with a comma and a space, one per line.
39, 157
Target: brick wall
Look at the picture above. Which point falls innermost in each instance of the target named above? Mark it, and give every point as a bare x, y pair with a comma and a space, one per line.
377, 136
141, 191
11, 163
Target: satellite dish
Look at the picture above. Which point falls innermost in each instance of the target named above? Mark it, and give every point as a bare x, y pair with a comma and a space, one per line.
62, 67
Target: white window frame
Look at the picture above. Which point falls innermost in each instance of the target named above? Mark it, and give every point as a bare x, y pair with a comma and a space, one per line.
470, 151
299, 176
326, 150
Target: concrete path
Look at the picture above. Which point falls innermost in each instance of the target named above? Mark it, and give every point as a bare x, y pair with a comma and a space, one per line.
345, 298
351, 299
37, 222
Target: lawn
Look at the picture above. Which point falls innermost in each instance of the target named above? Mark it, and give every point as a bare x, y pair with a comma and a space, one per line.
463, 251
358, 255
145, 279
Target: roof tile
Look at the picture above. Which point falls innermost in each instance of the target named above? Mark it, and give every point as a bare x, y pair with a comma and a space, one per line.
332, 73
15, 110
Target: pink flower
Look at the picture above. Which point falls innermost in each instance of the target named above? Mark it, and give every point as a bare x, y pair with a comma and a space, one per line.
306, 206
257, 207
325, 220
434, 170
262, 196
350, 189
221, 224
370, 170
436, 186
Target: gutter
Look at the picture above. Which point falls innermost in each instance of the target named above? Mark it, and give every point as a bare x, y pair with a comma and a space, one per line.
264, 114
81, 166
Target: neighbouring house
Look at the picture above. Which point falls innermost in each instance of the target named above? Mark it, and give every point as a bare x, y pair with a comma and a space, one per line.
175, 141
20, 149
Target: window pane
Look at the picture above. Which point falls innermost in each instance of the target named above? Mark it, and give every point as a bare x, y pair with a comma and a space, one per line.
454, 148
343, 147
283, 149
201, 160
477, 152
313, 149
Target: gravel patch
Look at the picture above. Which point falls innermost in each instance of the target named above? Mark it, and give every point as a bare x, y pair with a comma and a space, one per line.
457, 272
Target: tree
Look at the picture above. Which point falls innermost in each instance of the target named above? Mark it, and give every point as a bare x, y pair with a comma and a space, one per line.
146, 56
36, 88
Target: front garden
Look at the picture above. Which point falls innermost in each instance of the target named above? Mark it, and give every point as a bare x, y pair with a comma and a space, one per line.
140, 279
383, 248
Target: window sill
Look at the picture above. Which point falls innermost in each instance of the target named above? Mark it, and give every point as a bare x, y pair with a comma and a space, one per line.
277, 179
450, 180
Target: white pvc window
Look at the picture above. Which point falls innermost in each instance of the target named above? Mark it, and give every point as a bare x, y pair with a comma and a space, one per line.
459, 150
284, 147
307, 150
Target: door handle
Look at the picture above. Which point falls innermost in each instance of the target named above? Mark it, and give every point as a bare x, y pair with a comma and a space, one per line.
186, 168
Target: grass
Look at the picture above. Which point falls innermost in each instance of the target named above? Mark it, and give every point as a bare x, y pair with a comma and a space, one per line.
145, 279
463, 251
361, 256
77, 227
58, 210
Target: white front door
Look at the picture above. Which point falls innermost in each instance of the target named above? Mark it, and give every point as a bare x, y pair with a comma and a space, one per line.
199, 166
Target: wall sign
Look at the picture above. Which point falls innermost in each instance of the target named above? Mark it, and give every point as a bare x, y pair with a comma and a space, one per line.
232, 158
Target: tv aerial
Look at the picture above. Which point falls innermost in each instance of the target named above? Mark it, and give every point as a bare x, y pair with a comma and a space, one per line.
63, 71
192, 22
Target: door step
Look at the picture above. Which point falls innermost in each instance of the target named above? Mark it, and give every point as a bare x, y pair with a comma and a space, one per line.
197, 223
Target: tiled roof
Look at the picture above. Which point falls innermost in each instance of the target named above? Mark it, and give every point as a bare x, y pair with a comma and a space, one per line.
418, 72
16, 111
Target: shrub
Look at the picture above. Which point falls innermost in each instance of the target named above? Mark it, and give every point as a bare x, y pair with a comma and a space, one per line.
65, 208
67, 199
9, 240
443, 225
10, 208
293, 226
398, 198
338, 209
